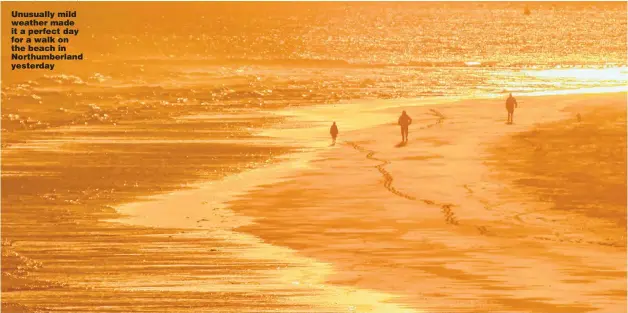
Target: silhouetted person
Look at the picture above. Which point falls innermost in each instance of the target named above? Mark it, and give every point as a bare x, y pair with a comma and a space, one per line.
511, 104
579, 118
404, 122
334, 133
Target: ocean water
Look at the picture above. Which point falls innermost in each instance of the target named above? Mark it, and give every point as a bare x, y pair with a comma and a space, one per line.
165, 60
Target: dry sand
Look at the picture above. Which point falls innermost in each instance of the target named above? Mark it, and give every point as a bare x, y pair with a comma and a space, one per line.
473, 215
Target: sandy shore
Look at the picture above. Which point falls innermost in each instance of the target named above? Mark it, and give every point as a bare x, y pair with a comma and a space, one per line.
456, 221
448, 224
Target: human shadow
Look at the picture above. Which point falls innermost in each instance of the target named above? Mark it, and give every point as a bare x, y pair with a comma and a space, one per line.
401, 144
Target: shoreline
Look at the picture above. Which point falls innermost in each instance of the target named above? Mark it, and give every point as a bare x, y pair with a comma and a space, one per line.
288, 272
250, 227
305, 154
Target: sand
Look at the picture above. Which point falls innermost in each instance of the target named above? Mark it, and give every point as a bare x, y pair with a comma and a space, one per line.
472, 215
445, 222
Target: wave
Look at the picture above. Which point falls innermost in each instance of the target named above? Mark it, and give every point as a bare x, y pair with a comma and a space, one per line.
342, 63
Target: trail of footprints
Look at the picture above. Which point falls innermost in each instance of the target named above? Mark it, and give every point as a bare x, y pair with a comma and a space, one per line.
446, 208
559, 238
482, 229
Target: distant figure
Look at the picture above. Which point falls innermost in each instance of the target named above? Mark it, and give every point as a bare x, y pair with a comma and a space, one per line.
579, 118
334, 133
511, 104
404, 122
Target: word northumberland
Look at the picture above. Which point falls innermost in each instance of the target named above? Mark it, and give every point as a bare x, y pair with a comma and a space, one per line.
32, 56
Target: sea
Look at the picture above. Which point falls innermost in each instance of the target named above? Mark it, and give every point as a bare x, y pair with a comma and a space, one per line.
143, 61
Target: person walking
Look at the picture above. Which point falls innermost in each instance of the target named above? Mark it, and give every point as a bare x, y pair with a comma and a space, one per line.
334, 133
404, 122
511, 104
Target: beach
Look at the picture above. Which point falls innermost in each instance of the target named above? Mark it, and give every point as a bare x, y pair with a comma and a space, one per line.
184, 163
469, 216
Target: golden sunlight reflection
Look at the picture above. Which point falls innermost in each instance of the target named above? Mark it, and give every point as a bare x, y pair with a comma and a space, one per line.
317, 157
617, 74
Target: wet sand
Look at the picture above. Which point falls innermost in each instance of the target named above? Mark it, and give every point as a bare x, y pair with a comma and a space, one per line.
468, 217
59, 186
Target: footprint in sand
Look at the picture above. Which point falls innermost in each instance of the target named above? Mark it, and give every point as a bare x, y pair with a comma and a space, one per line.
450, 217
446, 208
